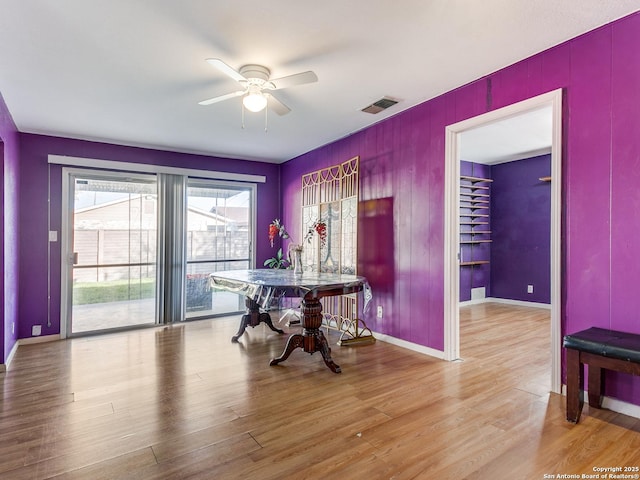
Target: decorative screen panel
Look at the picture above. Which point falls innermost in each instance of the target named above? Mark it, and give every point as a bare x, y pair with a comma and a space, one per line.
349, 233
330, 195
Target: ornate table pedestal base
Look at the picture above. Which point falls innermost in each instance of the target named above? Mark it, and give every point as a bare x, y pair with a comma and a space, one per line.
252, 318
311, 339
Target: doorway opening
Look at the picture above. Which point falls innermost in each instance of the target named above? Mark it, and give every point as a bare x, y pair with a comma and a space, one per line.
553, 102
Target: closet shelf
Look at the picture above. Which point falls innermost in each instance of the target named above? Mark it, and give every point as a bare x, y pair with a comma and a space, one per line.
475, 262
475, 207
475, 179
475, 241
473, 195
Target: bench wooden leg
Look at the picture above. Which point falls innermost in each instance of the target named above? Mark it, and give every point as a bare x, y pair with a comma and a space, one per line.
575, 375
596, 384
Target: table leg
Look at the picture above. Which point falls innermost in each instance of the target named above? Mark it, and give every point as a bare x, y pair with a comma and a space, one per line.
325, 351
595, 387
575, 373
246, 319
252, 318
311, 339
295, 341
266, 318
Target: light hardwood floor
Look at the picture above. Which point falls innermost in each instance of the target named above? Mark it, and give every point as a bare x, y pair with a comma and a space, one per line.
184, 402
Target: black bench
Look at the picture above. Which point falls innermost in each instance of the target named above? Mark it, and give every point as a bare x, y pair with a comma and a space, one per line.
599, 348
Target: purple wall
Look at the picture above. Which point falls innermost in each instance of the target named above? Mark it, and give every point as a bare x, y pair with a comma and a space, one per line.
9, 231
401, 165
402, 158
521, 225
34, 151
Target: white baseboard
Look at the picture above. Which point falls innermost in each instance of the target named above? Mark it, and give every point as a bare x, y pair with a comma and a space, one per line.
42, 339
26, 341
613, 404
519, 303
14, 349
621, 407
432, 352
475, 301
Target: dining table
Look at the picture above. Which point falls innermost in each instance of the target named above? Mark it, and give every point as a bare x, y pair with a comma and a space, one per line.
261, 286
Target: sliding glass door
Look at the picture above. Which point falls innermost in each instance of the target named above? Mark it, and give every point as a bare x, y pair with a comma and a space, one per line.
112, 262
139, 249
219, 236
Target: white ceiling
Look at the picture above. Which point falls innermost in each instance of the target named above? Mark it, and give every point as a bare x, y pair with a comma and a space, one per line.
515, 138
132, 71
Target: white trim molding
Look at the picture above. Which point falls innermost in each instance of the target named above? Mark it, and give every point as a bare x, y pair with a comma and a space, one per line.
452, 228
26, 341
42, 339
612, 404
149, 168
506, 301
432, 352
621, 407
14, 349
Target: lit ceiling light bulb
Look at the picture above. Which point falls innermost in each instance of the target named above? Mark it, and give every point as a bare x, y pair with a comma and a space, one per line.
254, 101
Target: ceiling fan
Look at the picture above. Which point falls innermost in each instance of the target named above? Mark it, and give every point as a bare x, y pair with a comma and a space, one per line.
257, 86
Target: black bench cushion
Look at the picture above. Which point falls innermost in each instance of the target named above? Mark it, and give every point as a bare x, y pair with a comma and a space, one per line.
608, 343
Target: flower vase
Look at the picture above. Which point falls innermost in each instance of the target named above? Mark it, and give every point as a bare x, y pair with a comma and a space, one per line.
297, 260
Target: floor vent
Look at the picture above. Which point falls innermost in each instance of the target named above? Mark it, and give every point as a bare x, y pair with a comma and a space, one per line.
380, 105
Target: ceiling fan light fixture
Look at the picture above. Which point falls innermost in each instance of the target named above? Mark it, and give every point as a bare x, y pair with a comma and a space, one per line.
254, 101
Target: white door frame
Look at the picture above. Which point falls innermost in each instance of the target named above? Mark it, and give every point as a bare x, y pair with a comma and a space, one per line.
452, 226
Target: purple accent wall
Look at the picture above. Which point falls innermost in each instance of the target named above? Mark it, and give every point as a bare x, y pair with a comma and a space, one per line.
33, 213
9, 231
521, 224
401, 166
402, 158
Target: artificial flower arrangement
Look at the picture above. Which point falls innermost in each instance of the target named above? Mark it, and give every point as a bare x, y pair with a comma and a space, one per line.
277, 229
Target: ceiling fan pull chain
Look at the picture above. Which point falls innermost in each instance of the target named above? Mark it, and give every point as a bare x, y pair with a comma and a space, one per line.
266, 119
242, 108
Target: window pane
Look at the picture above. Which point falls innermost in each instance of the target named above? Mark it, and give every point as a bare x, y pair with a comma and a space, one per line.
114, 242
218, 238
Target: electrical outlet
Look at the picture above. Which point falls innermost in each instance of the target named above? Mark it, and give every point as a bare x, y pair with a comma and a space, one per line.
379, 311
529, 288
36, 330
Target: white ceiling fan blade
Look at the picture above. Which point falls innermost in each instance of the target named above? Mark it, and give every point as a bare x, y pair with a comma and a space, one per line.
296, 79
221, 98
226, 69
276, 105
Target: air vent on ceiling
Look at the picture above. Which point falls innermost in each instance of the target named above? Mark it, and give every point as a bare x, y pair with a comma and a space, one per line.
380, 105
